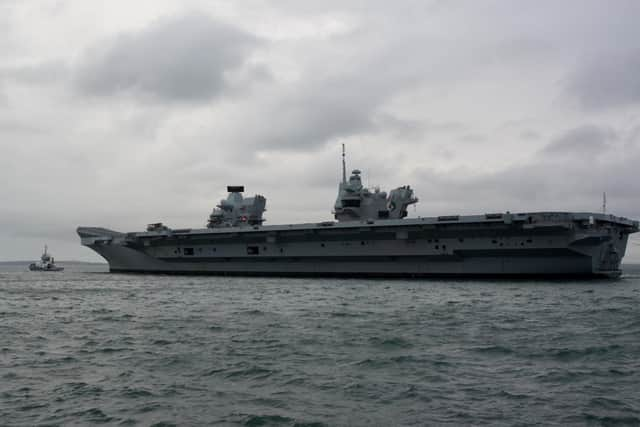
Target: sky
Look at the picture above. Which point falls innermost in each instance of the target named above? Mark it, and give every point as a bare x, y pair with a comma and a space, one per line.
119, 114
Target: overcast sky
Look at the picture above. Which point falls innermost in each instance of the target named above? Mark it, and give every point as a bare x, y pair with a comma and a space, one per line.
121, 113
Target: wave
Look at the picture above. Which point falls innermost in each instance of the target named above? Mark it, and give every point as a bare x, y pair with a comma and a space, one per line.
493, 349
390, 342
254, 372
611, 420
134, 393
267, 420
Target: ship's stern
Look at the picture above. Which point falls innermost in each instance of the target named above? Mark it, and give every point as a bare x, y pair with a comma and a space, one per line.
605, 241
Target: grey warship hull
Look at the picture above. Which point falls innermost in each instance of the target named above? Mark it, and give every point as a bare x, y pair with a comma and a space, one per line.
496, 245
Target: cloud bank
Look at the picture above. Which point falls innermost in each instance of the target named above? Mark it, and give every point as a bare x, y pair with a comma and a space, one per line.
135, 114
179, 59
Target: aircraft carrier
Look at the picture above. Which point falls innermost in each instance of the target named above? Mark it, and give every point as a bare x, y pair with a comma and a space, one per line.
372, 237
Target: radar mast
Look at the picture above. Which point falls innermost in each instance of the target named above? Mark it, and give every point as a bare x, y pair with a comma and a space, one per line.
344, 167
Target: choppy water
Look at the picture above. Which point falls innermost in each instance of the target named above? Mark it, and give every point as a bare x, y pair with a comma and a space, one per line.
84, 347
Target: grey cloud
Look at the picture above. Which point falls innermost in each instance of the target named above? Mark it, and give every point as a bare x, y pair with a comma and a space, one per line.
634, 135
549, 181
608, 81
398, 59
34, 73
323, 107
311, 113
558, 178
538, 184
5, 24
587, 139
400, 127
44, 232
472, 137
9, 126
523, 47
411, 128
384, 61
181, 59
529, 135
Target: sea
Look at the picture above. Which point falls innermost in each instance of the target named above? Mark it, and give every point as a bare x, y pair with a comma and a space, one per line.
85, 347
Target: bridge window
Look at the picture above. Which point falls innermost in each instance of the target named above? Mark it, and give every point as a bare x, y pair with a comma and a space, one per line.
253, 250
351, 203
188, 251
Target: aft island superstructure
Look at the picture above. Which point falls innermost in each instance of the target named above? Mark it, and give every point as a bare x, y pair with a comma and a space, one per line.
372, 237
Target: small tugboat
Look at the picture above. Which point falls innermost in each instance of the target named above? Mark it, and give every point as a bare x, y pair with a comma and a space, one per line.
46, 263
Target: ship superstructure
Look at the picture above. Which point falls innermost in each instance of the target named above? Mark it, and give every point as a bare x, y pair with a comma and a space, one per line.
356, 202
236, 210
372, 237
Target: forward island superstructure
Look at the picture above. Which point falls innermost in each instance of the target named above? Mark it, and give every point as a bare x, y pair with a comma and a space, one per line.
372, 237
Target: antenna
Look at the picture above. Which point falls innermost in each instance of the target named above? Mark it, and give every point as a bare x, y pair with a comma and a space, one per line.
344, 167
604, 203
